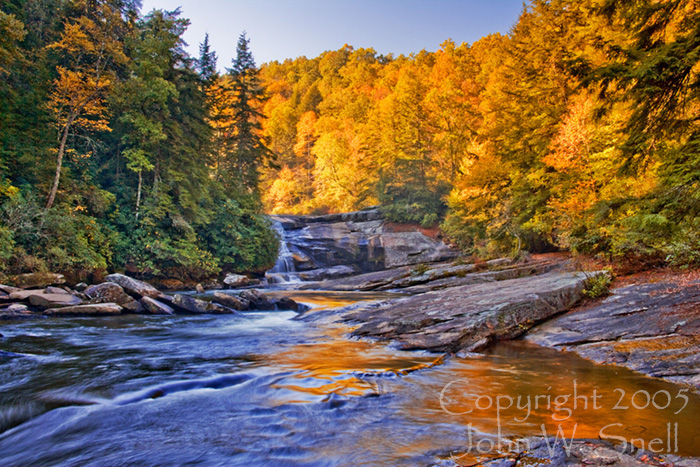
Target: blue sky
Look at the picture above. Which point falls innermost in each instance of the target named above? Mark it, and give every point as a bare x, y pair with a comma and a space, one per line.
281, 29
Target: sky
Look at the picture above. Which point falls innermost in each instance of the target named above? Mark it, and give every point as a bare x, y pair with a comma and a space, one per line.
281, 29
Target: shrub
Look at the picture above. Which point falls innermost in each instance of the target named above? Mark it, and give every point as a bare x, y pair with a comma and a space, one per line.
598, 285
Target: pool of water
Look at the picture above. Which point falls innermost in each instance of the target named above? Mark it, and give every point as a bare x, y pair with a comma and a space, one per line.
268, 389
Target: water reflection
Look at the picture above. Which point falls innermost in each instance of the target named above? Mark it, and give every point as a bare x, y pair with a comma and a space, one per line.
265, 389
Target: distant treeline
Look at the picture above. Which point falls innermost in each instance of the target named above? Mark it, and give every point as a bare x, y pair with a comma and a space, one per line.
580, 130
118, 151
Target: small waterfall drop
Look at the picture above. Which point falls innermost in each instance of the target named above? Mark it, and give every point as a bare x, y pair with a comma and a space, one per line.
283, 271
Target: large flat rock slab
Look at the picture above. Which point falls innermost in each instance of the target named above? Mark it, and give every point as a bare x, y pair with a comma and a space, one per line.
470, 317
653, 328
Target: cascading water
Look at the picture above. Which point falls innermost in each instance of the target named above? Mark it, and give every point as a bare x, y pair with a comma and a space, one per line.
283, 271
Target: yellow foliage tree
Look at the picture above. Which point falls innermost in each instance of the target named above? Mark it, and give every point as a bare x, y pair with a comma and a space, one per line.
90, 48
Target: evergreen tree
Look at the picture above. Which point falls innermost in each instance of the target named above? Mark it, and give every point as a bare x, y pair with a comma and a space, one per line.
206, 64
250, 151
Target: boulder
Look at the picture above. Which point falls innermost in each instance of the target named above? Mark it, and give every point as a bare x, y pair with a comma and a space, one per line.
97, 309
236, 280
53, 300
23, 295
9, 289
231, 301
38, 280
133, 287
286, 303
16, 308
258, 300
110, 292
155, 307
57, 290
212, 285
194, 305
80, 287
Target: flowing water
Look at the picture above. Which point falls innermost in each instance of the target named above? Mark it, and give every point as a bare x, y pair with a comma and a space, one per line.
284, 270
267, 389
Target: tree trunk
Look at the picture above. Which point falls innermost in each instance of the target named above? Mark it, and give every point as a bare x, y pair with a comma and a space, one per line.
59, 163
138, 195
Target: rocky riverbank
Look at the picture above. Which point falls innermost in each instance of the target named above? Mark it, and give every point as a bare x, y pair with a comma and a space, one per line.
43, 295
650, 327
551, 452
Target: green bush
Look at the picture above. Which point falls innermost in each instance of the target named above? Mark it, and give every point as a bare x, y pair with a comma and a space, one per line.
241, 238
597, 286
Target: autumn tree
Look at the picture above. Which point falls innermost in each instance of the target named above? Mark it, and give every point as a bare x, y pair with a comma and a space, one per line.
90, 50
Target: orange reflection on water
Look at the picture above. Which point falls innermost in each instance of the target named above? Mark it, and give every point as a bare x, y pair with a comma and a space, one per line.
522, 390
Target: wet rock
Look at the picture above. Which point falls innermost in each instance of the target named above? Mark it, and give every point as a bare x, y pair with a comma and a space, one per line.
97, 309
155, 307
193, 305
286, 303
110, 292
550, 452
23, 295
15, 311
231, 301
326, 273
133, 287
38, 280
80, 287
359, 239
258, 300
362, 282
652, 328
470, 317
9, 289
16, 308
212, 285
236, 280
53, 300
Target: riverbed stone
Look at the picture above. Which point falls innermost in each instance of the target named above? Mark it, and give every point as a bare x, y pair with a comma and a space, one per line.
286, 303
231, 301
16, 308
8, 289
56, 290
110, 292
194, 305
155, 307
653, 328
236, 280
53, 300
133, 287
96, 309
38, 280
471, 317
258, 300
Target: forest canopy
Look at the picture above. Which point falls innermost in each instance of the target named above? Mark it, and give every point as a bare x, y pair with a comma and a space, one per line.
578, 130
119, 151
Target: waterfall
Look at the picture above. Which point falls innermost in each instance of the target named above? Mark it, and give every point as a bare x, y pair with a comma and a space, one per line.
283, 271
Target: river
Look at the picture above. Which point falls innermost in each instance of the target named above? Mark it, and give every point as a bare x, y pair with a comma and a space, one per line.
268, 389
